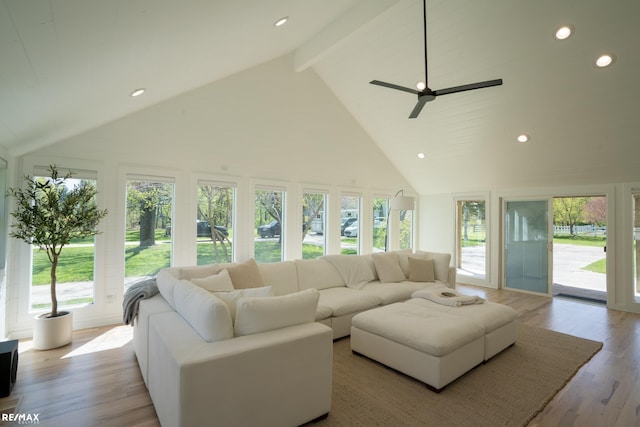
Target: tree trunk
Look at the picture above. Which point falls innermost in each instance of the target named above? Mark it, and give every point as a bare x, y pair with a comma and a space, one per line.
54, 298
147, 227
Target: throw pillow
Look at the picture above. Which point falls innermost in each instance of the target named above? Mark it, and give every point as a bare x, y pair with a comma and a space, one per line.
231, 298
209, 316
215, 283
246, 275
254, 315
388, 267
421, 270
440, 264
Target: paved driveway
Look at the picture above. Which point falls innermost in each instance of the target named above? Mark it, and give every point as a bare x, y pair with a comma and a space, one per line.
568, 263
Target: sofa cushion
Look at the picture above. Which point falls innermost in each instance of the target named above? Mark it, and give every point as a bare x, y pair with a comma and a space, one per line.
393, 292
208, 315
215, 283
318, 274
354, 269
323, 312
431, 332
166, 281
421, 270
246, 275
254, 315
388, 267
344, 300
489, 315
281, 275
231, 298
372, 266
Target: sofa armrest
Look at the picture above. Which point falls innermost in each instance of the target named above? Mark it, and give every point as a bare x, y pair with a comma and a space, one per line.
283, 375
146, 309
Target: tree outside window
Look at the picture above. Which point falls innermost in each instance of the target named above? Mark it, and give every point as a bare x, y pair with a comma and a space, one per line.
313, 225
148, 232
380, 211
214, 223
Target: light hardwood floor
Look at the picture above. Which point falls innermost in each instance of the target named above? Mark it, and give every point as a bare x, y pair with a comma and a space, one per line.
95, 381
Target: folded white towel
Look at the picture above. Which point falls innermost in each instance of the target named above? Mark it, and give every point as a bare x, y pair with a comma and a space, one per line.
446, 296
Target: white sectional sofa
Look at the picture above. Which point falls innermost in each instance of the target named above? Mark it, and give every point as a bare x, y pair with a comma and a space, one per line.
213, 349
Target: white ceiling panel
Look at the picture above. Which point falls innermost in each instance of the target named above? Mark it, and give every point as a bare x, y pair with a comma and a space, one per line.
69, 66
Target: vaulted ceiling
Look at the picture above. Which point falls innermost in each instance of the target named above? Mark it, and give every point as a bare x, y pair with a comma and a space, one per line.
69, 65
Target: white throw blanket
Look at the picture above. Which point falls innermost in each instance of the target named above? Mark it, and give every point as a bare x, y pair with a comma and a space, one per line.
447, 296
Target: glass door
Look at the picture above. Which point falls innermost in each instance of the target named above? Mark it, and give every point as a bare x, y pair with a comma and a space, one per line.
527, 245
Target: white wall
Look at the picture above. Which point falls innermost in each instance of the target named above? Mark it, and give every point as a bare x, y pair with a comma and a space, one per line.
266, 124
437, 221
6, 161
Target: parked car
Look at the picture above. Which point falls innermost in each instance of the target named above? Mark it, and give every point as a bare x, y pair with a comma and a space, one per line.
352, 230
269, 230
346, 222
204, 230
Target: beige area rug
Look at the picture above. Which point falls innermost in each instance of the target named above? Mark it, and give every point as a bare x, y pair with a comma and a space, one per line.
509, 390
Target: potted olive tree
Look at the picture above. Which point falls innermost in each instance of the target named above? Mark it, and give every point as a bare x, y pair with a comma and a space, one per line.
50, 213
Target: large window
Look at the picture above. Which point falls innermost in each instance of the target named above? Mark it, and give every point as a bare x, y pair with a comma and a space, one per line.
349, 225
636, 244
75, 272
214, 222
148, 228
269, 225
471, 234
380, 212
313, 225
406, 229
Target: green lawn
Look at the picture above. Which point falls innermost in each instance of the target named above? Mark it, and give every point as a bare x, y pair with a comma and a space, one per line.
599, 266
598, 241
75, 265
474, 239
146, 261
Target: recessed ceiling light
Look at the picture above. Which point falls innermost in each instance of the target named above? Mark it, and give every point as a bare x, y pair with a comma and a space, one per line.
564, 32
523, 138
421, 85
420, 155
138, 92
280, 22
604, 60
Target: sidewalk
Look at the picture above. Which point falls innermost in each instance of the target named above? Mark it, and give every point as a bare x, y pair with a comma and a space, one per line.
568, 261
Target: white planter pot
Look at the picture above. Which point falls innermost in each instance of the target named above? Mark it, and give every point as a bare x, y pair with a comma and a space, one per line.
52, 332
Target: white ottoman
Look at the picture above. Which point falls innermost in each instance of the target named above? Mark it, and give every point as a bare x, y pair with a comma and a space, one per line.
497, 320
431, 346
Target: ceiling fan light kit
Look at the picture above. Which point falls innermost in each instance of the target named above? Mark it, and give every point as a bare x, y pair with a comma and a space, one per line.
424, 93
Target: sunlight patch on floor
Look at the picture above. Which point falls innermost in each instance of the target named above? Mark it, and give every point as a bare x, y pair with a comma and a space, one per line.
114, 338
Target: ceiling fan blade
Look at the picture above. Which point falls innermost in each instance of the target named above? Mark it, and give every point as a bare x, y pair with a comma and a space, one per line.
392, 86
416, 110
471, 86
